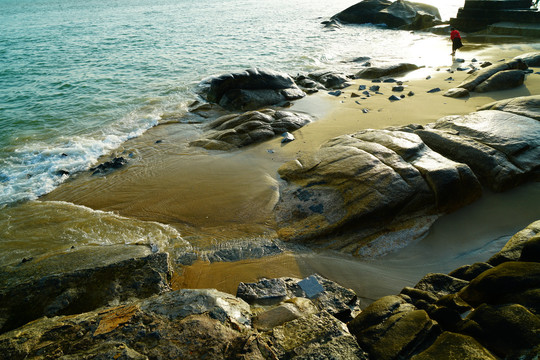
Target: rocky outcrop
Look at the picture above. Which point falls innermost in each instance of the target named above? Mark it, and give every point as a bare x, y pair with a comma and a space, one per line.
250, 90
493, 315
531, 59
358, 189
238, 130
524, 105
79, 280
322, 80
384, 71
475, 82
502, 80
396, 15
501, 148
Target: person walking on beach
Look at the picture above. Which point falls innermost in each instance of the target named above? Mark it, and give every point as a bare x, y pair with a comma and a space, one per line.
456, 40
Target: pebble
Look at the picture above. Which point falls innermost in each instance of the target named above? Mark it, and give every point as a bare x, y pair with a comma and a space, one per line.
362, 87
335, 93
434, 90
393, 98
374, 88
398, 88
428, 77
354, 95
376, 81
410, 93
287, 137
365, 111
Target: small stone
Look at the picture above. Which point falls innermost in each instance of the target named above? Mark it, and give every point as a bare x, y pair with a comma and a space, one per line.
311, 286
374, 88
362, 87
428, 77
358, 102
410, 93
270, 151
398, 88
335, 93
485, 64
399, 82
158, 141
376, 81
365, 111
287, 137
459, 60
64, 154
474, 60
402, 96
462, 69
434, 90
354, 95
393, 98
449, 79
389, 80
365, 93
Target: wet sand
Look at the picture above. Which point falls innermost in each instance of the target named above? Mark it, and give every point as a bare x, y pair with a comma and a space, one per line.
212, 196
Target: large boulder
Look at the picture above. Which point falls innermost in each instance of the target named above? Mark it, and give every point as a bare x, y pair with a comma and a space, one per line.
531, 59
250, 89
387, 70
501, 148
398, 14
476, 79
452, 346
392, 329
524, 105
237, 130
512, 250
80, 280
365, 181
322, 79
502, 80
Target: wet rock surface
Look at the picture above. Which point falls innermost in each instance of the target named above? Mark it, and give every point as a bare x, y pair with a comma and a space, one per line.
493, 315
387, 70
250, 89
233, 131
490, 79
399, 14
524, 105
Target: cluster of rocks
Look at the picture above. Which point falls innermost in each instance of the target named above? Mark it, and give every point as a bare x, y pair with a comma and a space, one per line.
375, 190
399, 14
479, 311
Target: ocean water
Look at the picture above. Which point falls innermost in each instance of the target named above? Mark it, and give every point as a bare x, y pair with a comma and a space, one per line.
79, 78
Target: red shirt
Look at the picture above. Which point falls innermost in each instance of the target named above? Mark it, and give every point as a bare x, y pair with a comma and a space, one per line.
454, 34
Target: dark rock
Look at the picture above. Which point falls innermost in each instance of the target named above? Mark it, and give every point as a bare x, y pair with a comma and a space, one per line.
362, 87
389, 80
434, 90
62, 172
452, 346
266, 291
410, 93
374, 88
506, 283
394, 98
392, 329
250, 89
485, 64
238, 130
531, 250
335, 93
513, 248
109, 166
479, 77
417, 294
502, 80
399, 14
531, 59
354, 95
78, 281
449, 79
330, 79
509, 331
377, 72
440, 284
398, 88
502, 149
524, 105
469, 272
287, 137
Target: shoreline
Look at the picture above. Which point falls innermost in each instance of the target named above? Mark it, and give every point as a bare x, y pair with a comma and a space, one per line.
212, 197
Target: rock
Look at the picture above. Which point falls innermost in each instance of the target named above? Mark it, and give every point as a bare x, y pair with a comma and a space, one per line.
531, 250
524, 105
250, 89
78, 281
287, 137
374, 88
456, 93
354, 95
392, 329
471, 82
502, 80
377, 72
239, 130
410, 93
373, 174
508, 282
283, 313
315, 336
266, 291
509, 331
109, 166
440, 284
452, 346
334, 93
398, 88
531, 59
330, 79
485, 64
469, 272
398, 14
434, 90
186, 324
513, 248
502, 149
394, 98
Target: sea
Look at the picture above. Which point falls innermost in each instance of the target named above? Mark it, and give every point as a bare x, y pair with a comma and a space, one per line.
80, 78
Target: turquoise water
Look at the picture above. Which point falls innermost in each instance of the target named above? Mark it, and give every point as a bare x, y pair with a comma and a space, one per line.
79, 78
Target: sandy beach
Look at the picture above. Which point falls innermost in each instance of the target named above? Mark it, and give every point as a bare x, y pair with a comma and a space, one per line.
212, 197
